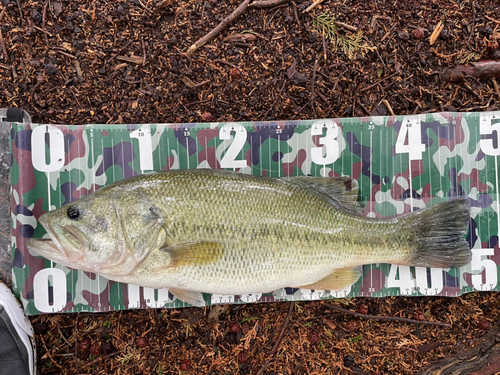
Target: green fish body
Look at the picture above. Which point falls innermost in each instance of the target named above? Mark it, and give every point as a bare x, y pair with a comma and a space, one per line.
223, 232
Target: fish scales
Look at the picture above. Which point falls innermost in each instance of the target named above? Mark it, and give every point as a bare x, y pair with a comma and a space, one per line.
229, 233
273, 232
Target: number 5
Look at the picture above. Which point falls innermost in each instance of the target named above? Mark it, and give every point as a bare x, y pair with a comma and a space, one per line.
486, 127
490, 269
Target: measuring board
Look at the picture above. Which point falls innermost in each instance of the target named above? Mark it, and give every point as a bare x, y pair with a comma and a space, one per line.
401, 163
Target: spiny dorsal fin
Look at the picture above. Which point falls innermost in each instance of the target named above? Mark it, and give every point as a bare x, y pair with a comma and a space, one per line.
343, 190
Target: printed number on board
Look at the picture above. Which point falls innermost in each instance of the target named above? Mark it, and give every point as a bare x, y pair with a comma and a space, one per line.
330, 150
42, 136
43, 281
490, 125
143, 135
427, 284
489, 266
236, 146
411, 131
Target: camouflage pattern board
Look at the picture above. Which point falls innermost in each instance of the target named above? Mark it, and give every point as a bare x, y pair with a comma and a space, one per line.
401, 163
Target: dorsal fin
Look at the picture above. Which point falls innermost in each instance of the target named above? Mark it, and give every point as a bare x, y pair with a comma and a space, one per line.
343, 190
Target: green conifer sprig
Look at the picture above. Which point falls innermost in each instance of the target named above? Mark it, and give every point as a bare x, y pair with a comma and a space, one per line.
348, 43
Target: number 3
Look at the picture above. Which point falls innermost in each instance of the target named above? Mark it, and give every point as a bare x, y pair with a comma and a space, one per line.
329, 141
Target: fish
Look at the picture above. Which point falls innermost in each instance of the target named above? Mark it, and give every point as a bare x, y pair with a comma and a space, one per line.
223, 232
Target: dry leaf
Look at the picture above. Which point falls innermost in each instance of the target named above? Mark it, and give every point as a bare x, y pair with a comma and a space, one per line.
57, 8
188, 82
294, 76
245, 38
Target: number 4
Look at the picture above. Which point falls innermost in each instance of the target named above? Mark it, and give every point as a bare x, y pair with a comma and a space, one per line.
410, 128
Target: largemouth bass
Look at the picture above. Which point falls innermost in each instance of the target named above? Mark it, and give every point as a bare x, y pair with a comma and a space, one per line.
223, 232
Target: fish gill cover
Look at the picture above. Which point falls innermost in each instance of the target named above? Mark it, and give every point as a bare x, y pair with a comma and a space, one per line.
401, 164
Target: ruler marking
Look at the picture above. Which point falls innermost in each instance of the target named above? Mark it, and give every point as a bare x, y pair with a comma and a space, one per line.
279, 155
498, 195
374, 203
92, 147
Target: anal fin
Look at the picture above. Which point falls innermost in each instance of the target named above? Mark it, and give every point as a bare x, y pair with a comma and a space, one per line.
338, 279
188, 296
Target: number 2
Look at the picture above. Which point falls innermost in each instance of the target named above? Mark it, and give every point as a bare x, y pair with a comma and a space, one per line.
240, 137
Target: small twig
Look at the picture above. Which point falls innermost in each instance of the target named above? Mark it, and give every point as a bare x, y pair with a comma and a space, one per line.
4, 48
48, 354
296, 15
120, 51
473, 92
143, 52
492, 19
2, 14
379, 81
313, 5
337, 81
42, 30
78, 71
280, 337
495, 86
324, 42
202, 84
44, 20
221, 26
388, 33
131, 59
347, 27
275, 100
229, 64
264, 4
390, 347
20, 12
60, 332
64, 53
364, 108
76, 343
312, 86
435, 34
389, 108
395, 318
100, 359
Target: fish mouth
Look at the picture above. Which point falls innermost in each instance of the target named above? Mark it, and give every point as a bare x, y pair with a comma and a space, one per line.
65, 242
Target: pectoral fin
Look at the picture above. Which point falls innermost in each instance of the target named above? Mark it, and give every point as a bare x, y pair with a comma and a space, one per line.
194, 253
193, 298
338, 279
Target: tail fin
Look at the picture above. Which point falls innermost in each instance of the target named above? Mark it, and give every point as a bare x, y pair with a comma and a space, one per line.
438, 235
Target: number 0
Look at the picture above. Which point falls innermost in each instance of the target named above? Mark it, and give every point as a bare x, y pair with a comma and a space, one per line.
56, 148
41, 290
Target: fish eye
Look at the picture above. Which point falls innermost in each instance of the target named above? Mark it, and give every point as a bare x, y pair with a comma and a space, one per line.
73, 213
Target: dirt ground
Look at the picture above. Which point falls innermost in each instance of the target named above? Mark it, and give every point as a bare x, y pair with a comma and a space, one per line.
102, 61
